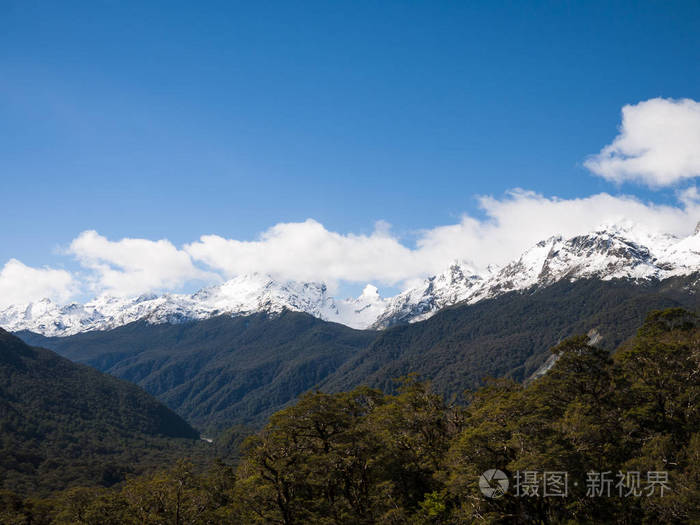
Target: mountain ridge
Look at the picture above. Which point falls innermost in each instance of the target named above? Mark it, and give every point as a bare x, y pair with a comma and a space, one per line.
227, 370
606, 253
221, 369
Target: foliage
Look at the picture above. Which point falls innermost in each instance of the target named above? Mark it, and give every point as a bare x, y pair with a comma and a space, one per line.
238, 371
222, 371
63, 424
508, 336
366, 457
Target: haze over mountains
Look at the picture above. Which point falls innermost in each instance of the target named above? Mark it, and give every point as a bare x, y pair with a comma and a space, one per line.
609, 252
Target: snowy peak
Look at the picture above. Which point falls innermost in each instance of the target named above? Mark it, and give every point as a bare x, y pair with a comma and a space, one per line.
454, 285
243, 295
609, 252
600, 254
261, 293
360, 312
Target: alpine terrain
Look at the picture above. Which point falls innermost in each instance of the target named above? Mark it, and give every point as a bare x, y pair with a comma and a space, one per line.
611, 252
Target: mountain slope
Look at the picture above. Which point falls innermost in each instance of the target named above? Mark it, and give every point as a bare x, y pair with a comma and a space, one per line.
607, 253
509, 335
610, 252
62, 423
224, 371
241, 296
219, 371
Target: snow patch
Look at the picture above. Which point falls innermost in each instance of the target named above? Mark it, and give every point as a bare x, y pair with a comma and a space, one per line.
609, 252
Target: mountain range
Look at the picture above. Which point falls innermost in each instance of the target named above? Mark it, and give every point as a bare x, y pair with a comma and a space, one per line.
238, 370
243, 295
610, 252
234, 353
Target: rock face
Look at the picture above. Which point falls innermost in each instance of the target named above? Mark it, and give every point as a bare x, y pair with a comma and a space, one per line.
607, 253
243, 295
452, 286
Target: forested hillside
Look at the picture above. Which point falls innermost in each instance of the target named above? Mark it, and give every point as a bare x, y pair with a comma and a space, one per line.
222, 371
63, 424
365, 457
227, 371
510, 336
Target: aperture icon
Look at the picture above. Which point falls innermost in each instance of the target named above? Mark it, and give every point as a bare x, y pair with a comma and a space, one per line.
493, 483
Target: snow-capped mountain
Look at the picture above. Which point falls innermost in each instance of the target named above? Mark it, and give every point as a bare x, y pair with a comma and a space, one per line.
243, 295
607, 253
454, 285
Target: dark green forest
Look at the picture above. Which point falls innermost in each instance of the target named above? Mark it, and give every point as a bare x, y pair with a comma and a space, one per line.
238, 371
221, 371
510, 335
414, 457
65, 424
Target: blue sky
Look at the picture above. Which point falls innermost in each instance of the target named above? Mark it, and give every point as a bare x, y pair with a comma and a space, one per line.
175, 120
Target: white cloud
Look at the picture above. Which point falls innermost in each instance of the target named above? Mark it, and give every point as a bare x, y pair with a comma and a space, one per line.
689, 196
522, 218
658, 144
134, 266
20, 284
308, 251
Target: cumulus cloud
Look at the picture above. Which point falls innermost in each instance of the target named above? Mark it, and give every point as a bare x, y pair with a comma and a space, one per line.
689, 196
658, 144
308, 251
134, 266
522, 218
20, 284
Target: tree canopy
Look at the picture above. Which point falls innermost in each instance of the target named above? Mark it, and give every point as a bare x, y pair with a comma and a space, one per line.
366, 457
